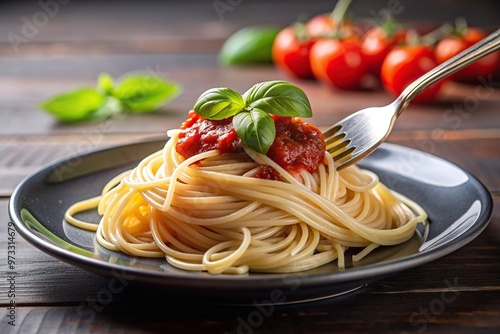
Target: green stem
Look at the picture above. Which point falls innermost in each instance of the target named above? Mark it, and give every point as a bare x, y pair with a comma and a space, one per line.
412, 37
460, 25
436, 35
299, 29
390, 27
338, 14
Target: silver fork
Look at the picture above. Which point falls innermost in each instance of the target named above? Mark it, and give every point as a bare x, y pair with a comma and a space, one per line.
360, 133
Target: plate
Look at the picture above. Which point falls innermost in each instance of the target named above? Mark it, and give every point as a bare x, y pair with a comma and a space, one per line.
459, 208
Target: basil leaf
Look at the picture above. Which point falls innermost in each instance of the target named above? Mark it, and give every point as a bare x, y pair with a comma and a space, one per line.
145, 92
105, 84
74, 106
110, 107
256, 129
219, 103
249, 45
279, 98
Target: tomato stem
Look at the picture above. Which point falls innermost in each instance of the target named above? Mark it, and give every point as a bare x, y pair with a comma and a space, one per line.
412, 37
299, 29
390, 27
338, 14
460, 26
434, 36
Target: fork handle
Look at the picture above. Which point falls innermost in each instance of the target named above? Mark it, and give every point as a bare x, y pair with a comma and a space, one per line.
452, 65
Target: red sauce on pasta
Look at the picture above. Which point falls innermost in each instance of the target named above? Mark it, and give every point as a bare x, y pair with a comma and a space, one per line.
201, 135
268, 173
297, 146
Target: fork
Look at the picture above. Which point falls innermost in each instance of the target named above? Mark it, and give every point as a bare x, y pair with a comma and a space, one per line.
360, 133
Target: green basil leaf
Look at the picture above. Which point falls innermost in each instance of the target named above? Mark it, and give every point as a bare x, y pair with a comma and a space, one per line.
145, 92
105, 84
110, 107
249, 45
279, 98
256, 129
219, 103
74, 106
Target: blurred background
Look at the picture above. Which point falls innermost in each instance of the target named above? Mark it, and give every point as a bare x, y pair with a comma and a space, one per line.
155, 26
61, 44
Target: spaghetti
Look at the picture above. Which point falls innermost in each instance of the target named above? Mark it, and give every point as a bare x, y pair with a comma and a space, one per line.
213, 211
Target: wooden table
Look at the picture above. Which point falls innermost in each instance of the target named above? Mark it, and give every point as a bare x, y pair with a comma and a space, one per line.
180, 42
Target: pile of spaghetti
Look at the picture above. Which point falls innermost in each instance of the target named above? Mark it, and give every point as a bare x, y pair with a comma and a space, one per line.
205, 202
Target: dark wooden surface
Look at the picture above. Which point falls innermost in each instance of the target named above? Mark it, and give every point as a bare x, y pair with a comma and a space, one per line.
180, 40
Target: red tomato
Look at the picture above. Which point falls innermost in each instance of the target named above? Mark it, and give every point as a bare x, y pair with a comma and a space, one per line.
403, 65
323, 25
376, 45
291, 54
452, 45
338, 63
319, 25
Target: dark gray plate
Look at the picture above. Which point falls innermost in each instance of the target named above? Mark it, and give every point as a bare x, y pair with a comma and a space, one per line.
459, 208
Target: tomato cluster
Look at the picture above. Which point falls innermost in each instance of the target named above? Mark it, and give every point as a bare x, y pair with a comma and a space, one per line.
461, 40
342, 55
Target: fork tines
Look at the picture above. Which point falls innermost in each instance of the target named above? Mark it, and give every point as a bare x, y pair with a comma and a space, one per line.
337, 144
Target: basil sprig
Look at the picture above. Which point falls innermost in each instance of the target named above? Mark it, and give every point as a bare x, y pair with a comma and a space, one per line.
252, 111
135, 93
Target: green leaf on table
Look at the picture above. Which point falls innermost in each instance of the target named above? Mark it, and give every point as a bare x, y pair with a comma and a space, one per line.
249, 45
219, 103
110, 107
105, 84
137, 92
74, 106
145, 92
280, 98
256, 129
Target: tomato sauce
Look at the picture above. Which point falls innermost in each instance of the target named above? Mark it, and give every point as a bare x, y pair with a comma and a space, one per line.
201, 135
297, 146
268, 173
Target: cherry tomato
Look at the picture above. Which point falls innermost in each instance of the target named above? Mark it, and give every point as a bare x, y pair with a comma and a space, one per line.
403, 65
338, 63
452, 45
291, 54
376, 44
319, 25
323, 26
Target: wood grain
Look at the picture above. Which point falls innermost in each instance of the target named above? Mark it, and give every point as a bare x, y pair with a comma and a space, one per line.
459, 293
175, 27
26, 82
